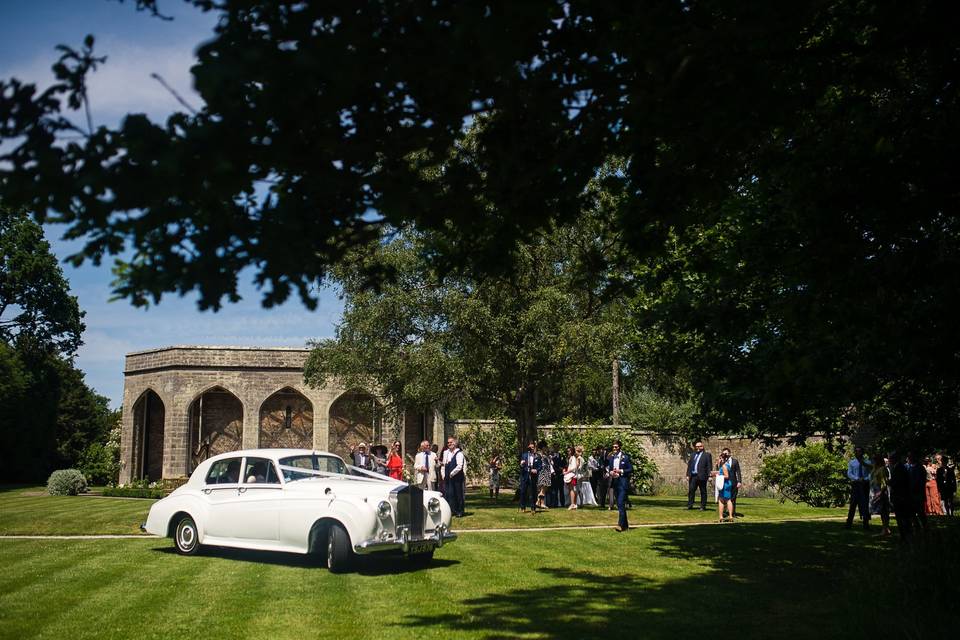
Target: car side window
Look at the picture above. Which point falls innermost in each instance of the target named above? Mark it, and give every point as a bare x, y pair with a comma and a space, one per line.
260, 471
224, 472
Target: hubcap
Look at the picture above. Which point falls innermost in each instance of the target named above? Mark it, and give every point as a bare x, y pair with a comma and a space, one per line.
330, 552
186, 536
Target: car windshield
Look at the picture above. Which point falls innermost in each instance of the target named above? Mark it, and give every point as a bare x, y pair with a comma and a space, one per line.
327, 464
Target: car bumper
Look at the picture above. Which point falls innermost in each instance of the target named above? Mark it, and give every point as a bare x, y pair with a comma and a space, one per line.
441, 536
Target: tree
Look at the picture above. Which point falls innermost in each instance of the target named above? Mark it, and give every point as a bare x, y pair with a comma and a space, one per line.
505, 343
788, 169
36, 308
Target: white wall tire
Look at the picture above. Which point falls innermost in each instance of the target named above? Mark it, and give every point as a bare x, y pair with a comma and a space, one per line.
339, 553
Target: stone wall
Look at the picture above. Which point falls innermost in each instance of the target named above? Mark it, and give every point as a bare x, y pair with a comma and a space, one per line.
244, 379
671, 455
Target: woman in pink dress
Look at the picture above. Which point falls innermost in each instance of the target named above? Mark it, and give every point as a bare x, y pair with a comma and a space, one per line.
395, 462
932, 506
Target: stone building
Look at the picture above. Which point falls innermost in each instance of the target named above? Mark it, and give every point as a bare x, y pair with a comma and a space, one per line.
183, 404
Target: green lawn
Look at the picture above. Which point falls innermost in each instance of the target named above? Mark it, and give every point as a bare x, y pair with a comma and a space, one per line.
761, 580
32, 511
484, 513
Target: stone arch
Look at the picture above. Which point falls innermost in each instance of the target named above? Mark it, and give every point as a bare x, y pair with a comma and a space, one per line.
355, 416
216, 424
286, 420
149, 416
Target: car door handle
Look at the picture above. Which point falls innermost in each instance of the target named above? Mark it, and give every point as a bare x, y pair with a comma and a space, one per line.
208, 491
241, 490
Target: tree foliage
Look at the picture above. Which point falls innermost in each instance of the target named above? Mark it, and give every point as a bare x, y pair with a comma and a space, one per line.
36, 308
814, 474
506, 343
788, 174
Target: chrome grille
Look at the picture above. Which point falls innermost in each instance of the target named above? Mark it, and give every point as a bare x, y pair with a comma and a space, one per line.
410, 510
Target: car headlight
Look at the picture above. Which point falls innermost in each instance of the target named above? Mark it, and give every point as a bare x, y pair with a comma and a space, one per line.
383, 509
433, 506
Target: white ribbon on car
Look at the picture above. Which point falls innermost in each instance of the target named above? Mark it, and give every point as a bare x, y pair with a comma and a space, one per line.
356, 472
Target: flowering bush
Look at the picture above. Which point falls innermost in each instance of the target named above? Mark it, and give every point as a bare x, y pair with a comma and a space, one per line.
812, 474
66, 482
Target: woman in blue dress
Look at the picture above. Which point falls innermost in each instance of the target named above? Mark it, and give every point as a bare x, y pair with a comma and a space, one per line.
725, 483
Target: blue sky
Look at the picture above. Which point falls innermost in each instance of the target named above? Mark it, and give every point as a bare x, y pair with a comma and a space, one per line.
137, 45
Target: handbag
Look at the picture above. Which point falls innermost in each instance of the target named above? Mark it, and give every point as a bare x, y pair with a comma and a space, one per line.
570, 477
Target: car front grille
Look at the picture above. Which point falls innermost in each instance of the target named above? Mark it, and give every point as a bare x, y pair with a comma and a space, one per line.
410, 511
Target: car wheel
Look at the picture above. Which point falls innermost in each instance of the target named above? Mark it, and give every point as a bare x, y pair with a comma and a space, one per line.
339, 553
186, 536
422, 559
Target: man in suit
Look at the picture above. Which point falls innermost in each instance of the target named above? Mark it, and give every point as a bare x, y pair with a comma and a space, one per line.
620, 467
529, 468
361, 458
900, 497
736, 478
918, 489
425, 465
555, 496
698, 470
858, 473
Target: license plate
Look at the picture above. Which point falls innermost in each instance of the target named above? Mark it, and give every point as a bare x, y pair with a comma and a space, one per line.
420, 547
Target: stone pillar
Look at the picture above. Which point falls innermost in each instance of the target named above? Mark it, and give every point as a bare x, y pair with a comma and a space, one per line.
321, 422
251, 423
439, 436
127, 463
176, 437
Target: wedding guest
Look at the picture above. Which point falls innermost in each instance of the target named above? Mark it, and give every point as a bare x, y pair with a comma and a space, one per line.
603, 482
880, 492
394, 465
900, 496
932, 506
544, 475
570, 478
917, 489
858, 473
698, 470
493, 468
454, 478
529, 468
361, 458
620, 465
736, 481
378, 454
593, 466
946, 483
425, 465
438, 468
557, 464
584, 490
724, 482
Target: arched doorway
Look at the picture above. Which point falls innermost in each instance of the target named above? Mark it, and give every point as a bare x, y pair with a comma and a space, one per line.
355, 417
148, 432
286, 421
216, 424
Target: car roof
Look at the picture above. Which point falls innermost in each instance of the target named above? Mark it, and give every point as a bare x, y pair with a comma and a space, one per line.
273, 454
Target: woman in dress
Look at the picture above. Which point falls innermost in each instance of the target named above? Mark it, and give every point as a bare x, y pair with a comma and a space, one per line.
395, 462
932, 506
544, 475
584, 490
494, 466
724, 482
570, 478
880, 492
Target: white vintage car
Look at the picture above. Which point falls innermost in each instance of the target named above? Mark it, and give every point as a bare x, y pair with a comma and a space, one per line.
300, 501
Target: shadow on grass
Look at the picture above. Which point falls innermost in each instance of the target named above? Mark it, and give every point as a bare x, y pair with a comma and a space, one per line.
790, 580
371, 565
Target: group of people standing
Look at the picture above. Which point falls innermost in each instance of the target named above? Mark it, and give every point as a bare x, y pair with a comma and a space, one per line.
549, 479
727, 480
432, 470
912, 490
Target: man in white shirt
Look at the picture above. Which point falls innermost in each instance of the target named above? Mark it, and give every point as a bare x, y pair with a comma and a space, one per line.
454, 478
425, 465
858, 472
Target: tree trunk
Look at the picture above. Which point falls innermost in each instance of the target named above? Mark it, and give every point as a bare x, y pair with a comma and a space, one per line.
616, 391
525, 414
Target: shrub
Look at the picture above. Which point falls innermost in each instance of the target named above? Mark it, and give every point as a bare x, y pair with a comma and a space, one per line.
591, 436
134, 492
812, 474
66, 482
100, 463
479, 442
